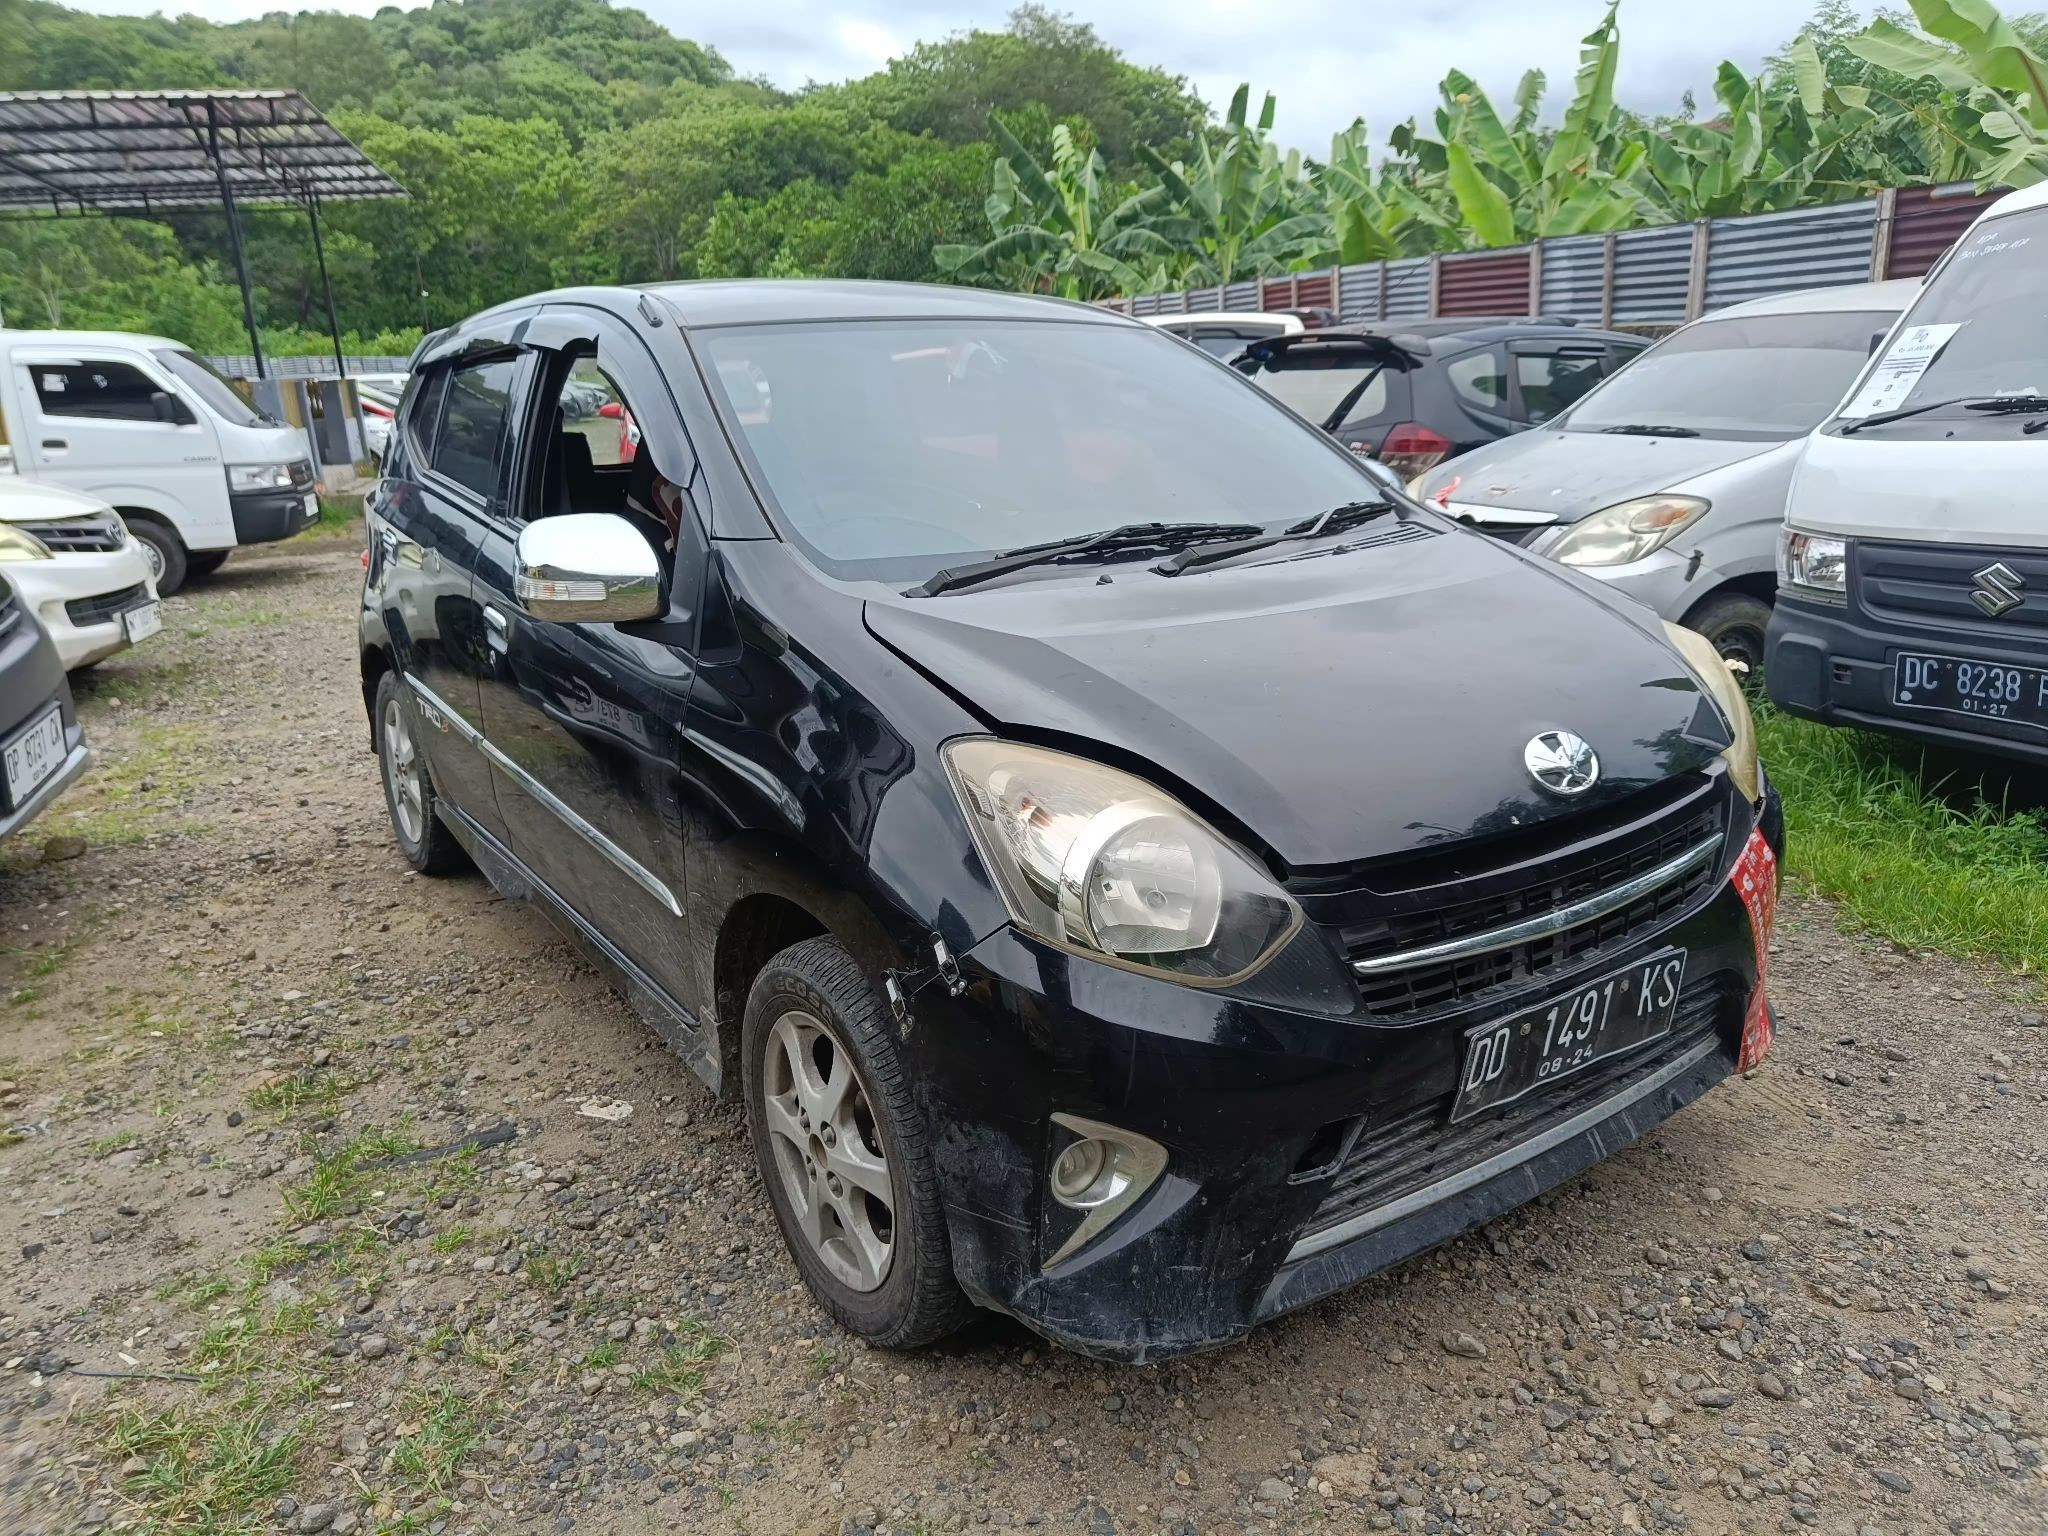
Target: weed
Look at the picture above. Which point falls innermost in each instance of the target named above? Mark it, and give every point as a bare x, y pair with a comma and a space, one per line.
205, 1475
452, 1239
286, 1095
823, 1357
602, 1358
446, 1431
104, 1146
552, 1274
680, 1369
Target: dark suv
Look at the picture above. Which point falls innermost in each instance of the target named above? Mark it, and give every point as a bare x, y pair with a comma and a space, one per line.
1140, 874
1412, 393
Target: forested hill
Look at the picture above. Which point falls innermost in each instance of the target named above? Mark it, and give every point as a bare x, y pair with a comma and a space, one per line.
551, 141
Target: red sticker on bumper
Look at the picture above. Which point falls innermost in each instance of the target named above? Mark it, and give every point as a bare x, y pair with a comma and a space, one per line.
1755, 876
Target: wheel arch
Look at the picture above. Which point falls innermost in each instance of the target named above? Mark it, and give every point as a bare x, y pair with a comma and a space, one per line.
376, 661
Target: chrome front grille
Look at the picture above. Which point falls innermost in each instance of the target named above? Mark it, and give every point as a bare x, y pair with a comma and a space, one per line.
1449, 930
100, 533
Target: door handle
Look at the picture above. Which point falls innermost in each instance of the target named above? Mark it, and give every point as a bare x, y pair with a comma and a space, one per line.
55, 442
494, 618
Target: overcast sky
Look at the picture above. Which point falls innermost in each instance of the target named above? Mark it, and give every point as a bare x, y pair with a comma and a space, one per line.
1328, 61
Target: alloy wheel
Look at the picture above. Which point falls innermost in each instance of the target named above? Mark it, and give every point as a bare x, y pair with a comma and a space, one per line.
828, 1151
402, 774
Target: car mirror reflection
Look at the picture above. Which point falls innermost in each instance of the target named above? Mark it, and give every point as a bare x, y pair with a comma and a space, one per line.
587, 567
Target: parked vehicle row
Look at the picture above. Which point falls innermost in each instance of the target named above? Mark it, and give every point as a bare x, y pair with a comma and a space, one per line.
42, 747
1140, 870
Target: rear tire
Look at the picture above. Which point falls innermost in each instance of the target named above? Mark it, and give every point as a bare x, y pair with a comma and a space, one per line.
416, 825
168, 561
835, 1122
1734, 622
205, 562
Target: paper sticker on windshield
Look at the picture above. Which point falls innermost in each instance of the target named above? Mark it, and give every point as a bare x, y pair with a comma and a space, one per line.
1900, 369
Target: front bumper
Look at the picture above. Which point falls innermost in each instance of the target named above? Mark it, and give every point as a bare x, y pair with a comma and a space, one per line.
263, 517
1835, 664
102, 586
1244, 1098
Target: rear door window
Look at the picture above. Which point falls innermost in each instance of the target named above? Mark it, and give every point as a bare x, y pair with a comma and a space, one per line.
1480, 379
473, 423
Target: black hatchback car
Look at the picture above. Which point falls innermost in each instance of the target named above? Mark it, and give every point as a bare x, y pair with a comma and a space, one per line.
1139, 875
1412, 393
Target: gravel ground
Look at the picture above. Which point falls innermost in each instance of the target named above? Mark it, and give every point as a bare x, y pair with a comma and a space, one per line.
240, 1037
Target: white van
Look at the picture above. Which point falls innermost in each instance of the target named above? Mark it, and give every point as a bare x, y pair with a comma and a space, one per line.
144, 424
1913, 567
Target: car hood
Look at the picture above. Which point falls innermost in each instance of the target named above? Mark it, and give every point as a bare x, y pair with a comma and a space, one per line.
1574, 474
32, 501
1340, 705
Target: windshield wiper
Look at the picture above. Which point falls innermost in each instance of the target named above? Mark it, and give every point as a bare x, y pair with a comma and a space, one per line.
2015, 405
1348, 515
1650, 429
1131, 536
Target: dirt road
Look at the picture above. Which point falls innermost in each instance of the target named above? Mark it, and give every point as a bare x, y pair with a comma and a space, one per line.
236, 1030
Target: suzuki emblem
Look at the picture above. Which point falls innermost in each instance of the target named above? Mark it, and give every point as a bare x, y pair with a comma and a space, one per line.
1999, 589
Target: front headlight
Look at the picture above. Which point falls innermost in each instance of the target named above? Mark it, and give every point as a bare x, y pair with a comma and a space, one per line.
1627, 532
16, 544
1814, 563
1712, 669
1100, 862
260, 477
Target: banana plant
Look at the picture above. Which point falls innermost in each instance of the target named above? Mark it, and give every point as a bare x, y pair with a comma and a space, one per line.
1377, 214
1252, 210
1991, 115
1055, 232
1508, 185
1775, 144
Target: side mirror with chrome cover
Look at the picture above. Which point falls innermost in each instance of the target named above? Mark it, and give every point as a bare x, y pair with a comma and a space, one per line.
587, 568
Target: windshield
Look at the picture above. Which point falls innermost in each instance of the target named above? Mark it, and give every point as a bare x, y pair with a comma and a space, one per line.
894, 448
1315, 381
1756, 378
212, 389
1979, 328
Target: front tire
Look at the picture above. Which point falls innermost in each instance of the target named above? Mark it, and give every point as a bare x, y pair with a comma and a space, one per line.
843, 1150
426, 842
165, 551
206, 562
1734, 622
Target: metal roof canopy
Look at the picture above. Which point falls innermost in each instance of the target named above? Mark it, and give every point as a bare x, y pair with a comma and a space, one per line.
147, 153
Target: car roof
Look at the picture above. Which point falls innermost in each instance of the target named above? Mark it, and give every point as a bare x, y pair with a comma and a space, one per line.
1894, 296
88, 339
755, 301
1224, 317
1475, 327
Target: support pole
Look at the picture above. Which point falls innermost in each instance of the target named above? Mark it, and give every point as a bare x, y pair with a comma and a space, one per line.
326, 287
227, 198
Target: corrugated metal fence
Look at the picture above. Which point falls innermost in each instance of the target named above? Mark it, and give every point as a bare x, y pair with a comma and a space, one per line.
1657, 277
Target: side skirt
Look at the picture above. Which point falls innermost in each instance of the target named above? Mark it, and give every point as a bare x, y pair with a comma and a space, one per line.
510, 878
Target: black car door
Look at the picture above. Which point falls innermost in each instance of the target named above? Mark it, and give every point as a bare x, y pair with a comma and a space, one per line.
584, 719
444, 480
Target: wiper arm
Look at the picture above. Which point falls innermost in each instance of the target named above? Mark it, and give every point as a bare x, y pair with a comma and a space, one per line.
1347, 515
1650, 429
2014, 405
1129, 536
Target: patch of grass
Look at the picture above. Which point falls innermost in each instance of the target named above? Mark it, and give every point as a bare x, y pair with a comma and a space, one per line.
294, 1092
1913, 855
554, 1273
604, 1357
111, 805
212, 1475
103, 1146
338, 514
452, 1239
680, 1369
133, 680
823, 1357
443, 1429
